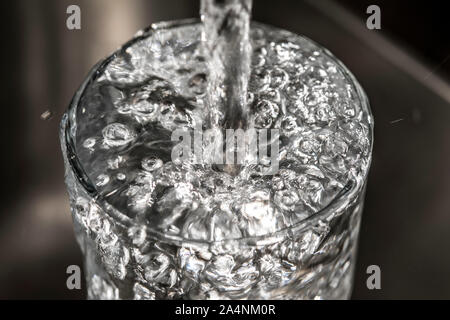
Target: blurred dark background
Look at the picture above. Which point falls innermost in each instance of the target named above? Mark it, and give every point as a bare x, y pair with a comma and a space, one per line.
404, 67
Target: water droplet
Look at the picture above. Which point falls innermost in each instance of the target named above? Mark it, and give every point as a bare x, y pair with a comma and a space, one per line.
47, 115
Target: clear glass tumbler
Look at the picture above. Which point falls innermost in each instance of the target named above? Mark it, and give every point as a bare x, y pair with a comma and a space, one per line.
313, 258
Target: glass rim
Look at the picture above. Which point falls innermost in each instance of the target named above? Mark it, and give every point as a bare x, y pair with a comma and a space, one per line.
349, 194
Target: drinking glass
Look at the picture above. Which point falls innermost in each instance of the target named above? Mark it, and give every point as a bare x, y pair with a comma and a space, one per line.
311, 259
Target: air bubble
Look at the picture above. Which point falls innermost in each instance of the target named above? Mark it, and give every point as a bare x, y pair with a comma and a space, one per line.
144, 108
158, 264
89, 143
121, 176
324, 113
289, 124
265, 113
117, 135
102, 180
142, 293
151, 164
260, 80
286, 199
279, 78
